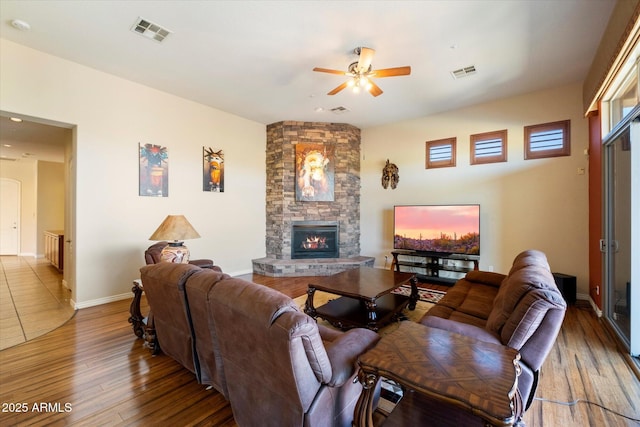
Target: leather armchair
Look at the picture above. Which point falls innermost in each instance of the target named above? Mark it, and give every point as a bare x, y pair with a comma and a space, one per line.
281, 367
152, 256
170, 319
198, 290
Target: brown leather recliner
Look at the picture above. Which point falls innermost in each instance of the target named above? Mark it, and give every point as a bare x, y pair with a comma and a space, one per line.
281, 367
198, 290
170, 318
152, 256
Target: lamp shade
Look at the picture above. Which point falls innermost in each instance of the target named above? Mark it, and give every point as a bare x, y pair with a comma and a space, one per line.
175, 228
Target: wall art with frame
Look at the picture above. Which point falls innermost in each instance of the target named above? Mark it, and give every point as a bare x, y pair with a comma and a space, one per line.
315, 172
154, 170
212, 170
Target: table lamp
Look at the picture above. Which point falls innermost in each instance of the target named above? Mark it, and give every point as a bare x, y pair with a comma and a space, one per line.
174, 229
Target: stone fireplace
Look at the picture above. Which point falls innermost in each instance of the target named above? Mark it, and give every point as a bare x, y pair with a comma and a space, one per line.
283, 210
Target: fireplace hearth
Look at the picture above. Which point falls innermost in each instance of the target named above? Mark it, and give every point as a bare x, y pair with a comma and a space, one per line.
314, 239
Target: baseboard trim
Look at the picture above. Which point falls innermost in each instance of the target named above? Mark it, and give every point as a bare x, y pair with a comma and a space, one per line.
595, 308
100, 301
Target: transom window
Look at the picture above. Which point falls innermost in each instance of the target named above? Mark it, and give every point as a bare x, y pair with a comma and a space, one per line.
441, 153
489, 147
547, 140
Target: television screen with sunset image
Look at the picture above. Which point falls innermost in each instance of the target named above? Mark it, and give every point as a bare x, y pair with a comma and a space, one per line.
447, 229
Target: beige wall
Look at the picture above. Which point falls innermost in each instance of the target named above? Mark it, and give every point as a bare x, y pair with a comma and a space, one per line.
25, 171
112, 116
51, 193
524, 204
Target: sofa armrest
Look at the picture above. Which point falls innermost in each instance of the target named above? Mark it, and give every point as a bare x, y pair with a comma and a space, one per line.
460, 328
343, 352
205, 263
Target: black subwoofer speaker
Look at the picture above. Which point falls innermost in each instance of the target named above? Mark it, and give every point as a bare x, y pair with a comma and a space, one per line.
567, 286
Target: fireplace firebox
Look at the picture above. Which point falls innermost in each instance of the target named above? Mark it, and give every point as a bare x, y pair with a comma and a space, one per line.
314, 239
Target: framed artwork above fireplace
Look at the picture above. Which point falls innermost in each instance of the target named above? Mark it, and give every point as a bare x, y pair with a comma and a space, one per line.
315, 172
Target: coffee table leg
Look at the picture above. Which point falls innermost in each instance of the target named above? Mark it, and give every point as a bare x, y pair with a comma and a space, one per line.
363, 414
308, 305
372, 316
414, 297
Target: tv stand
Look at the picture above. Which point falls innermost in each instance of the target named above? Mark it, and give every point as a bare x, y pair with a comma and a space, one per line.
434, 268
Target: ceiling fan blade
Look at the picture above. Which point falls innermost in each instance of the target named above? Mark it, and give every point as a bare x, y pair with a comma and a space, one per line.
364, 62
338, 89
391, 72
374, 89
330, 71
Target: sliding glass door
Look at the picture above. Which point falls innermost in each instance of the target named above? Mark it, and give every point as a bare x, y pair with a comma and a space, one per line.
620, 245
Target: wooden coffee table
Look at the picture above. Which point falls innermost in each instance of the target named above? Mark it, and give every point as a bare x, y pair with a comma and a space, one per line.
447, 379
365, 298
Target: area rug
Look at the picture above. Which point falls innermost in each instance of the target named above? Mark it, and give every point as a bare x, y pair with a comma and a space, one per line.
426, 295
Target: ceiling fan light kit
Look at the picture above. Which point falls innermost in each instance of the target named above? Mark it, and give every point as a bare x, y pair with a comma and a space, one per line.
362, 72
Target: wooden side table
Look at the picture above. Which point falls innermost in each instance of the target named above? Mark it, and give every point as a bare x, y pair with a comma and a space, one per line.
142, 326
468, 376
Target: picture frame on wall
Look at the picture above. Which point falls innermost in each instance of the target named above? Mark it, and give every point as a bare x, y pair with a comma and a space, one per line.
153, 170
315, 172
212, 170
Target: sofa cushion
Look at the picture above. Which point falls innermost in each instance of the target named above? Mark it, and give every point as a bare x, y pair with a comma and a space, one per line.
485, 277
469, 301
512, 291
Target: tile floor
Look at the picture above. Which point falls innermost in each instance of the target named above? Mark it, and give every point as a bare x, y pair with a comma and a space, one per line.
33, 300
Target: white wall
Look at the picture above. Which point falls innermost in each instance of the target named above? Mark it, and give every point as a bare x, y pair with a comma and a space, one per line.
112, 116
25, 171
541, 204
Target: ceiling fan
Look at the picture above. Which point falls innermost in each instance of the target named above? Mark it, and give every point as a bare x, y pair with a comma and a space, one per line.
361, 73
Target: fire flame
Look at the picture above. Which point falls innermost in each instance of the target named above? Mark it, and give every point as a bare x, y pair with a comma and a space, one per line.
315, 242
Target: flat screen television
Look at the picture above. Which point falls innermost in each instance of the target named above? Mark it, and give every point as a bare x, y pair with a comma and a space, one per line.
445, 229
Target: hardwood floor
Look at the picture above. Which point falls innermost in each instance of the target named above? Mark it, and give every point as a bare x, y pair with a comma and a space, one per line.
94, 371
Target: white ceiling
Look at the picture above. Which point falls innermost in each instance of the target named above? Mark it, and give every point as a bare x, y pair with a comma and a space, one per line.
255, 58
32, 140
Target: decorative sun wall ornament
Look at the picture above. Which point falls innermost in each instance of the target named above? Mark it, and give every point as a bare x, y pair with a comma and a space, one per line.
390, 175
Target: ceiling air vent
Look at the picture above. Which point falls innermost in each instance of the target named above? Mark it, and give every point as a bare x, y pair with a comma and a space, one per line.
150, 30
339, 110
8, 159
464, 72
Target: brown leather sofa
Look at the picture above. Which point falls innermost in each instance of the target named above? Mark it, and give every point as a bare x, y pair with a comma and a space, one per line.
274, 363
179, 327
523, 310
